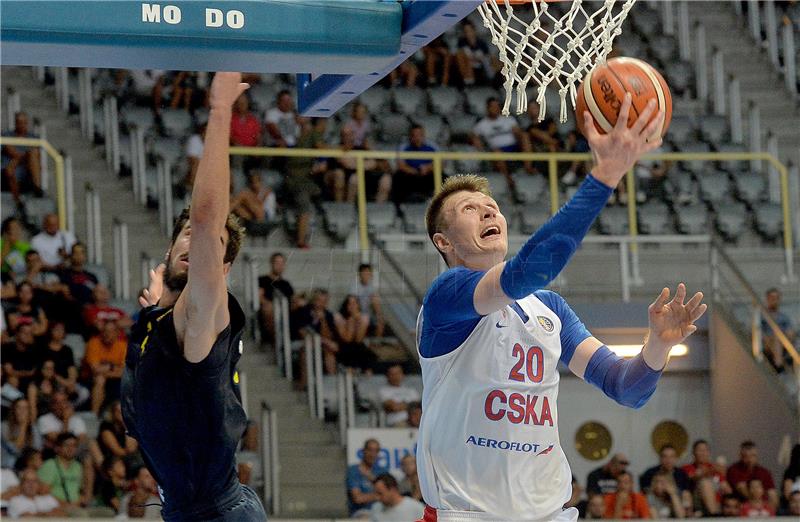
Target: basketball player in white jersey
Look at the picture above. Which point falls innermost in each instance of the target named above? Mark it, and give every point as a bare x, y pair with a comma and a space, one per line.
490, 341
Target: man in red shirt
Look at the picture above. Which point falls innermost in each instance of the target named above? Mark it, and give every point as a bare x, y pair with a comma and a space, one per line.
747, 469
708, 479
245, 128
100, 310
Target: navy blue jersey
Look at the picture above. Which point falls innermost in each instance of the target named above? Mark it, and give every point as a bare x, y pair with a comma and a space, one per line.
187, 417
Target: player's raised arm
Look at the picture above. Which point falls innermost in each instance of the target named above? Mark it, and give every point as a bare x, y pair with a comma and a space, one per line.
631, 382
201, 312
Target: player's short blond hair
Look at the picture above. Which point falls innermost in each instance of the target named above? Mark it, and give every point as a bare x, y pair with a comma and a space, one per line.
434, 216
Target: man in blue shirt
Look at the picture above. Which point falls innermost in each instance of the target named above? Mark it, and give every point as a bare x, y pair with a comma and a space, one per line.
773, 349
414, 177
360, 479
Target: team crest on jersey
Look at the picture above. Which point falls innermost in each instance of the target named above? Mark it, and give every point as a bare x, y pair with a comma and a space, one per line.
545, 323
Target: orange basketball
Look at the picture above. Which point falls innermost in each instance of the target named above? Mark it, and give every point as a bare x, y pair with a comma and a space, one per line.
604, 88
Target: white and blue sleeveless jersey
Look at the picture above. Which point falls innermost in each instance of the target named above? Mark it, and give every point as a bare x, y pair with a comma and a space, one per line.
488, 441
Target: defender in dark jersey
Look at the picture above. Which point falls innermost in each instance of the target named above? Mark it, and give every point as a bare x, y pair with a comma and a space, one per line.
180, 392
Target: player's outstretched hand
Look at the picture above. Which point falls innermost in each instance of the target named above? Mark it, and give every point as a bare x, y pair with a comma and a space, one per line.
152, 293
225, 89
615, 153
672, 322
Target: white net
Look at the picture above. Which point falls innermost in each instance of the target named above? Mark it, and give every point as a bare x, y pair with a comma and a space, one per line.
557, 46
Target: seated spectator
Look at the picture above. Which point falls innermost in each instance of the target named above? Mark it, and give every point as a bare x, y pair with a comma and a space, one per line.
756, 506
66, 373
414, 414
409, 486
245, 132
595, 506
49, 291
791, 477
731, 506
80, 281
61, 420
625, 503
793, 509
377, 177
52, 243
708, 479
395, 397
143, 501
113, 483
475, 63
29, 458
360, 125
248, 461
664, 498
41, 390
668, 458
299, 185
746, 469
27, 311
575, 142
30, 502
20, 360
414, 177
315, 315
96, 313
19, 430
365, 289
360, 477
437, 56
13, 246
651, 177
183, 91
774, 351
406, 75
351, 331
391, 505
283, 128
255, 205
499, 133
21, 165
113, 440
603, 480
63, 473
148, 87
267, 284
575, 499
105, 359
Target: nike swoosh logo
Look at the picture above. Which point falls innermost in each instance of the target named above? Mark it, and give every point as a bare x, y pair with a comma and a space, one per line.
498, 325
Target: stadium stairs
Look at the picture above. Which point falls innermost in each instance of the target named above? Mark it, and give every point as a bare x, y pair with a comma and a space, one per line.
759, 81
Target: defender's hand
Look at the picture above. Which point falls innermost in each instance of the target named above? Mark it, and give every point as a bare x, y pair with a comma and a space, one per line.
671, 323
225, 89
616, 153
152, 293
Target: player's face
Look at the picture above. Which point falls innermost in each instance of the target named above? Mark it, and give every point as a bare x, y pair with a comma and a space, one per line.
476, 231
177, 272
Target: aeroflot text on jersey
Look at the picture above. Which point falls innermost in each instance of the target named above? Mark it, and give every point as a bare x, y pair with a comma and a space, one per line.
523, 447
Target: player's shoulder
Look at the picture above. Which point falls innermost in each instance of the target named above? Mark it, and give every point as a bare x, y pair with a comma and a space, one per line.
550, 299
449, 281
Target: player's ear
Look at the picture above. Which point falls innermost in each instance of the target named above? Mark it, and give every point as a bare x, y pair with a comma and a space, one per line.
442, 243
226, 268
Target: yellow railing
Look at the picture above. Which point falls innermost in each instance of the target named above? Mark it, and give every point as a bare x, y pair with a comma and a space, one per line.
61, 193
552, 160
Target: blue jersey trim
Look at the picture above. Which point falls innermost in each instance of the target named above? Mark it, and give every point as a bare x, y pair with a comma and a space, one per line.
573, 331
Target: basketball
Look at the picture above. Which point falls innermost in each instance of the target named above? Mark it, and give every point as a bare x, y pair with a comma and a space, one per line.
604, 88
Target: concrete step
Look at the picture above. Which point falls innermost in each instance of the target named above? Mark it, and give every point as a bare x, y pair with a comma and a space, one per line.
290, 450
315, 471
326, 501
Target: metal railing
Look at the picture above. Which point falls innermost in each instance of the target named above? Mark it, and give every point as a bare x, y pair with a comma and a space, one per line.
269, 459
94, 232
122, 265
166, 213
283, 337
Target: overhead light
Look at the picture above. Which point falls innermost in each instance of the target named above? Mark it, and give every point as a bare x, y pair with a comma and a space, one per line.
632, 350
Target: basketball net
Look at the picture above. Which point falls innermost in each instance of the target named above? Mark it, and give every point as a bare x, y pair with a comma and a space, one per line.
551, 49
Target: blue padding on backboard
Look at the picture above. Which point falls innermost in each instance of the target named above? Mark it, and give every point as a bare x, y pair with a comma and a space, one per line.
423, 20
323, 36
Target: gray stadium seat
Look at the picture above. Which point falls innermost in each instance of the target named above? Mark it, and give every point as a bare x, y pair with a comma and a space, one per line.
680, 186
530, 188
177, 122
444, 100
695, 166
731, 219
664, 48
681, 130
750, 186
37, 208
340, 218
376, 99
614, 221
101, 273
461, 125
646, 20
769, 220
476, 99
7, 205
263, 95
394, 128
532, 216
679, 76
141, 117
733, 165
714, 129
414, 217
714, 186
409, 100
498, 186
381, 217
170, 149
435, 128
78, 345
368, 390
692, 219
655, 218
462, 166
629, 44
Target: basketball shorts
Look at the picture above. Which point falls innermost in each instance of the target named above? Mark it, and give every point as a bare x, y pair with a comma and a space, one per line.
433, 515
